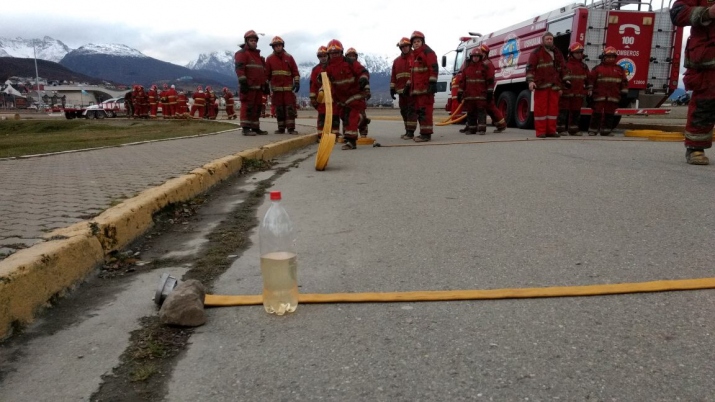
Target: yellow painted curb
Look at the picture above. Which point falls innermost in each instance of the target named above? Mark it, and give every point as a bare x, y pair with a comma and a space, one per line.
31, 277
641, 133
667, 137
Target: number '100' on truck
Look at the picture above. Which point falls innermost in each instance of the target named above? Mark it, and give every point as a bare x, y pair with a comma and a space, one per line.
647, 44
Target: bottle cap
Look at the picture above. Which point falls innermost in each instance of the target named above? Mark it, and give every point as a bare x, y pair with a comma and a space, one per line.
275, 195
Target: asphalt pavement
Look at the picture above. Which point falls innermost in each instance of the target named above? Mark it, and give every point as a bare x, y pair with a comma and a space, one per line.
461, 212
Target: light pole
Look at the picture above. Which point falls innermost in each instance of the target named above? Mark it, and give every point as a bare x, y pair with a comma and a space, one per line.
37, 76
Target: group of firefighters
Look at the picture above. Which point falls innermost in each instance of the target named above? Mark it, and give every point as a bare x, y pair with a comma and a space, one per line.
560, 87
145, 104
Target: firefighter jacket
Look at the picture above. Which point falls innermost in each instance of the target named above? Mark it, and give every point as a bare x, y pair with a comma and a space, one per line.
576, 73
210, 97
282, 72
228, 97
699, 51
164, 96
477, 80
172, 96
347, 77
250, 67
152, 96
608, 81
199, 99
424, 70
400, 72
545, 68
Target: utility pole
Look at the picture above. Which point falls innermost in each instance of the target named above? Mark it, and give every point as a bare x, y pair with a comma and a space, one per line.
37, 76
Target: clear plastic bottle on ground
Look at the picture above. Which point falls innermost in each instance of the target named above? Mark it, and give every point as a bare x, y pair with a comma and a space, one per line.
279, 263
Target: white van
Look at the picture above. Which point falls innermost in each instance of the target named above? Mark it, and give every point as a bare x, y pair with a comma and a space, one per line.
442, 95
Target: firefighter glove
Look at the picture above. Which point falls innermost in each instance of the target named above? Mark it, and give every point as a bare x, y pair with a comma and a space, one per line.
363, 82
460, 97
406, 91
433, 87
490, 96
244, 87
296, 87
393, 92
266, 88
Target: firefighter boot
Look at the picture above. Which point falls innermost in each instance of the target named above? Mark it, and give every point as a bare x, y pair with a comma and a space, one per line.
247, 131
595, 124
259, 131
280, 131
350, 143
423, 138
696, 156
408, 135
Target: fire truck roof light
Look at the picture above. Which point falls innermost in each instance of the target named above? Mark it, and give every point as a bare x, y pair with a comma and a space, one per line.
477, 34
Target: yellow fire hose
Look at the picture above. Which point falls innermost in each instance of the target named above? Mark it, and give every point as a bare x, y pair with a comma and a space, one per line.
449, 120
327, 139
491, 294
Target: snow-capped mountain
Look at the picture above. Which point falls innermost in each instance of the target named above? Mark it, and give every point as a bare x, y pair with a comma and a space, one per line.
113, 49
47, 48
220, 62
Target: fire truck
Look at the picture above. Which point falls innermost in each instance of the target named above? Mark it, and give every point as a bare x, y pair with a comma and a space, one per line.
648, 48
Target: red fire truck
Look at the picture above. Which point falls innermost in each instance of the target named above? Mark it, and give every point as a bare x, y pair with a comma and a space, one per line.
647, 42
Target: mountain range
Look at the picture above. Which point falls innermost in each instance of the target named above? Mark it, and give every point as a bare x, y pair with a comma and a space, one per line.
122, 64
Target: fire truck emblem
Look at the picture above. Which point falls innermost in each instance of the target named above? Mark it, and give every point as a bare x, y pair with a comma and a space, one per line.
630, 67
509, 55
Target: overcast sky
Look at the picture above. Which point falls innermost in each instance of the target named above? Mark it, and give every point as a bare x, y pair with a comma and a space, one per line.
179, 31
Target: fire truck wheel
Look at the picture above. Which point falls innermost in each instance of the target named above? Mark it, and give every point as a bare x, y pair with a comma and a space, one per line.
506, 104
99, 114
524, 117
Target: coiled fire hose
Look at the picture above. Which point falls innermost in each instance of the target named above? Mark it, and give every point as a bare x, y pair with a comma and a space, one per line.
327, 139
451, 119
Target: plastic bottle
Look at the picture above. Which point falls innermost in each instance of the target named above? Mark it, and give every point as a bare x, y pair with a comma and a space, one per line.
279, 263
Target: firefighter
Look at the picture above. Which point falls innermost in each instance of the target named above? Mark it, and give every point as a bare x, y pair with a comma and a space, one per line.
211, 107
492, 110
574, 92
171, 96
228, 98
128, 102
282, 72
699, 75
543, 73
252, 81
423, 83
606, 84
136, 102
398, 82
350, 84
153, 95
199, 105
164, 101
182, 105
143, 102
474, 89
316, 91
352, 55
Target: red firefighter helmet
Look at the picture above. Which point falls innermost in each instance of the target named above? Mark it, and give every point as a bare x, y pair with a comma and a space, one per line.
576, 47
154, 87
351, 50
322, 51
610, 51
250, 34
224, 90
404, 42
417, 34
335, 46
277, 40
477, 51
484, 48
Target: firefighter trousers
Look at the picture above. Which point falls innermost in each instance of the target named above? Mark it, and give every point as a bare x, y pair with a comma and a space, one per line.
546, 111
251, 105
701, 109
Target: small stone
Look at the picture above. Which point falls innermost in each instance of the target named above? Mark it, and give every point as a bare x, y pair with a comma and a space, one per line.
184, 306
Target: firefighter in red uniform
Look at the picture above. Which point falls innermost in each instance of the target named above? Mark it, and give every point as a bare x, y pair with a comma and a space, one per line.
699, 75
199, 102
153, 97
401, 71
211, 107
136, 102
350, 86
182, 105
143, 103
543, 73
251, 73
316, 89
607, 83
574, 92
282, 72
492, 111
423, 83
164, 101
474, 89
171, 95
228, 98
352, 55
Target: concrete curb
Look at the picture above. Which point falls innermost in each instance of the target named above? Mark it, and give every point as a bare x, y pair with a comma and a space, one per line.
30, 278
